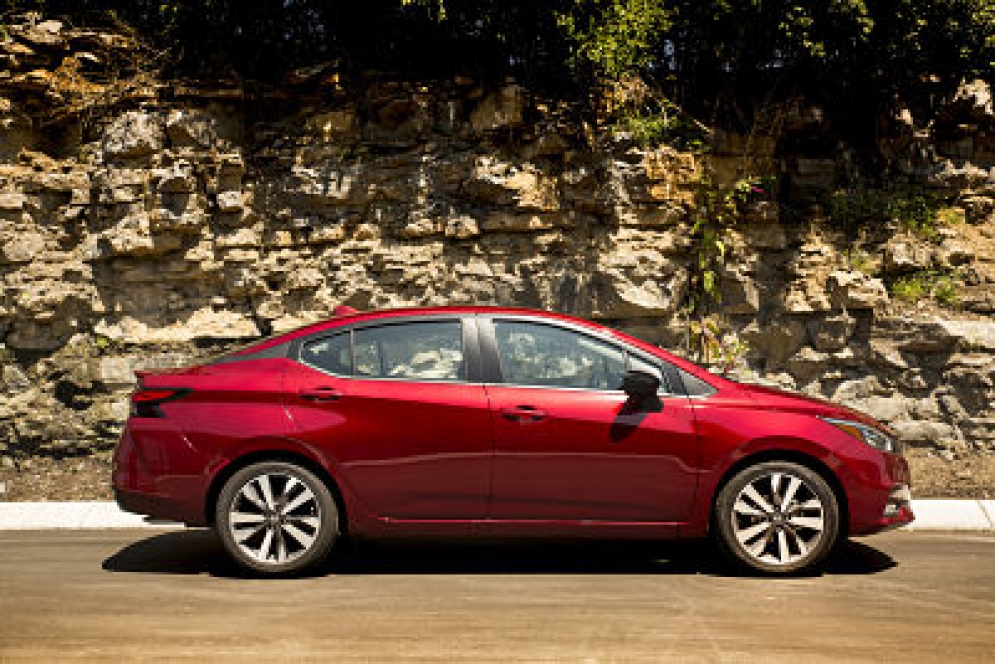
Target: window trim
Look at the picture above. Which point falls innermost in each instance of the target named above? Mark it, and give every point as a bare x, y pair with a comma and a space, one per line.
493, 374
469, 341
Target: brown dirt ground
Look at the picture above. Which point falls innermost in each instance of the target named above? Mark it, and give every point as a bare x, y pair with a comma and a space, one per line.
88, 478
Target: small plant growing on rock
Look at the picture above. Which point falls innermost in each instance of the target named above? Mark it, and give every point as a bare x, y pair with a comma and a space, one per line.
937, 285
914, 209
103, 343
713, 346
862, 260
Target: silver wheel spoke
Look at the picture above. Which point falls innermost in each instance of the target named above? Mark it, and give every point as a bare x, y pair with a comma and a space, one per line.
302, 538
742, 507
746, 534
782, 547
281, 547
758, 547
240, 518
775, 483
304, 497
812, 504
802, 546
265, 546
789, 493
310, 521
288, 489
759, 500
243, 536
253, 497
267, 490
811, 522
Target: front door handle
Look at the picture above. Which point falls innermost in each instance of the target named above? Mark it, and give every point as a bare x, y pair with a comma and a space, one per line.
319, 393
523, 414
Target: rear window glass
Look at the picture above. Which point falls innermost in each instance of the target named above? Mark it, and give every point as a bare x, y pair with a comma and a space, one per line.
409, 351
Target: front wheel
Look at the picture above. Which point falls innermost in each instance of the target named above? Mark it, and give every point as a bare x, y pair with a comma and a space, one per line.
276, 517
777, 517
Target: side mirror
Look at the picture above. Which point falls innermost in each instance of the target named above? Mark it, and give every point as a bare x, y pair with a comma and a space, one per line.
640, 386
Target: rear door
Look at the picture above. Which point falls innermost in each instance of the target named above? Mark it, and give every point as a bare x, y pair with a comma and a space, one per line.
566, 445
400, 408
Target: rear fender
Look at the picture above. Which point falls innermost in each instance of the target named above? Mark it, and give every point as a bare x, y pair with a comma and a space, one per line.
359, 515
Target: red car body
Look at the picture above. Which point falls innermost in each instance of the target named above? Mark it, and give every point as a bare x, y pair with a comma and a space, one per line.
479, 455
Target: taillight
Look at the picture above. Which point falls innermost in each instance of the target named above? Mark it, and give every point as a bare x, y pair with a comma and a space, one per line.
145, 401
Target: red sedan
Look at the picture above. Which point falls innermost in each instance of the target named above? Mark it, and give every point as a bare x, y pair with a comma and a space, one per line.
496, 421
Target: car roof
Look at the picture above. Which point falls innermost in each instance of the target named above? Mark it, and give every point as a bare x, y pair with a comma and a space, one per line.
413, 312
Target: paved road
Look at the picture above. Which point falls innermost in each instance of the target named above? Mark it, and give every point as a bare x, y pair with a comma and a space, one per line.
144, 594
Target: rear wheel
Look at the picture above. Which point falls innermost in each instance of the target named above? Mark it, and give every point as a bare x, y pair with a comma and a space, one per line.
777, 517
276, 517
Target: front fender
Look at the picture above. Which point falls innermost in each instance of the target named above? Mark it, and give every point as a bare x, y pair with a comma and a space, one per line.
718, 468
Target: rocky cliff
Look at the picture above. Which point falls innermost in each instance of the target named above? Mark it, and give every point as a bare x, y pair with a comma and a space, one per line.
147, 223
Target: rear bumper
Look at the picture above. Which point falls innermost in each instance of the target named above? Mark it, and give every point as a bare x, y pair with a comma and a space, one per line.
153, 505
157, 474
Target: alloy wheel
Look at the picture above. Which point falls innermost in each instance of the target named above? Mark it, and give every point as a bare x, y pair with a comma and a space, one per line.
274, 518
778, 519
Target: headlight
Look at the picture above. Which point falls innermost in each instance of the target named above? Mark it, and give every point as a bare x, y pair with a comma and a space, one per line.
873, 436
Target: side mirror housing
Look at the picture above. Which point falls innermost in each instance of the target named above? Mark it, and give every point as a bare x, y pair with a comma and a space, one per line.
640, 386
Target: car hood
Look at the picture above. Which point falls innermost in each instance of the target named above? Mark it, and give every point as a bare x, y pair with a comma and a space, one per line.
772, 397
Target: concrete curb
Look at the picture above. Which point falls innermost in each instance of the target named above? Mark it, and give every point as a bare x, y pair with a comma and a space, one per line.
81, 515
931, 514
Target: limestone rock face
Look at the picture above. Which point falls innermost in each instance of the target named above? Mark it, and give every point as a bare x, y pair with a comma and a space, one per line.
133, 135
499, 110
856, 290
179, 222
902, 255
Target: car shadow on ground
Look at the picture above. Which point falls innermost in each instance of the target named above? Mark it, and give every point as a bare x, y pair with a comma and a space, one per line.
200, 552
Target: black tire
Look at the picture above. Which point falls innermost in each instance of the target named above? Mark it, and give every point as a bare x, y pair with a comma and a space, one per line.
804, 547
317, 517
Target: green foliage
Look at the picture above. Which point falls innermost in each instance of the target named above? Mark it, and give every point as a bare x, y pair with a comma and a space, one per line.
103, 343
913, 209
616, 38
661, 123
712, 345
950, 216
717, 211
849, 210
916, 212
861, 260
699, 50
938, 285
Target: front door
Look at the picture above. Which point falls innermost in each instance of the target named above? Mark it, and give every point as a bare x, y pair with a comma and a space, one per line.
395, 408
568, 447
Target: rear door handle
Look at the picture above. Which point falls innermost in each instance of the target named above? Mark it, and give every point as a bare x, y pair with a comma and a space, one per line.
523, 414
319, 394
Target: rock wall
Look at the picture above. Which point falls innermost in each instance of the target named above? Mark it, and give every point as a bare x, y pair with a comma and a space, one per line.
155, 223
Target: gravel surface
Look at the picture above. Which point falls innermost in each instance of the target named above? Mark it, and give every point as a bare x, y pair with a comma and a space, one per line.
88, 478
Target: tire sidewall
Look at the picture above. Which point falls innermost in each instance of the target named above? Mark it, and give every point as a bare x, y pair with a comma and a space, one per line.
726, 536
328, 530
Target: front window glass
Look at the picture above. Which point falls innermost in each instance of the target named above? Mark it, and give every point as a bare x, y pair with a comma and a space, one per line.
414, 351
542, 355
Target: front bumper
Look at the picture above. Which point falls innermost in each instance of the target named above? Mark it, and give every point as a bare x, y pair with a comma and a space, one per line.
883, 500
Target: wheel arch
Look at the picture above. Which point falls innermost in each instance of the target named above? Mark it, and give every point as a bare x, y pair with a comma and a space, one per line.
810, 461
274, 454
